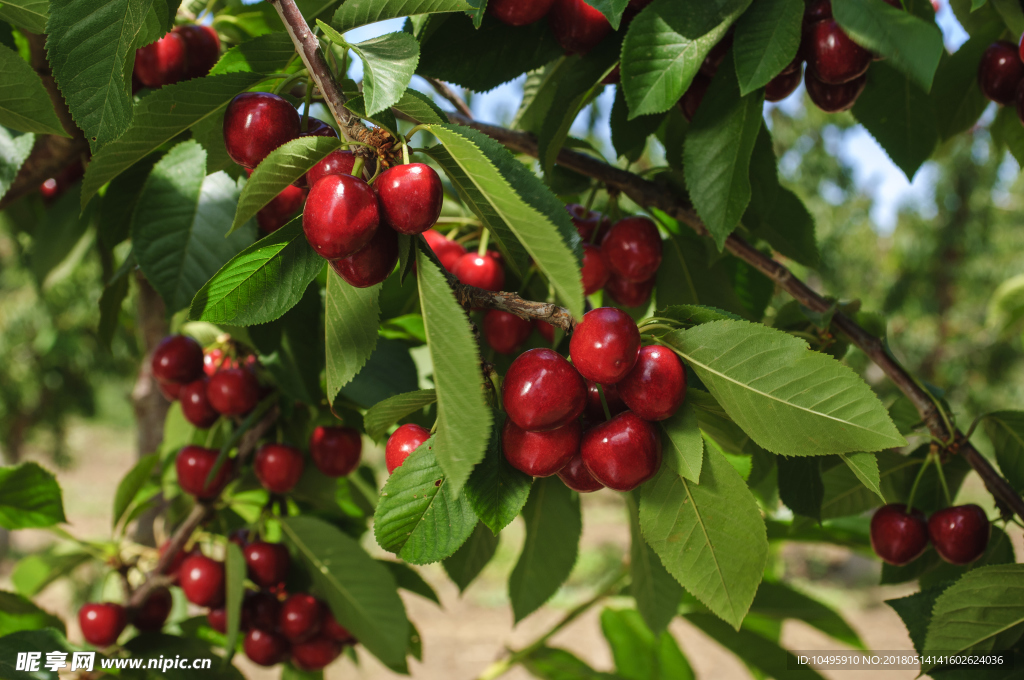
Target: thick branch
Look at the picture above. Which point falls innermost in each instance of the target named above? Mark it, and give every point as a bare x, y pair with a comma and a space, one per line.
451, 95
478, 298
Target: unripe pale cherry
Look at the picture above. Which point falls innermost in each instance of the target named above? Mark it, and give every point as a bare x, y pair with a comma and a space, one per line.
341, 216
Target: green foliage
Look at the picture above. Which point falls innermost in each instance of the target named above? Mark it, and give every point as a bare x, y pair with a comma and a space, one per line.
20, 641
355, 13
1006, 430
30, 15
13, 152
24, 103
20, 613
386, 413
496, 490
234, 580
657, 594
388, 64
780, 601
756, 651
681, 444
466, 563
352, 315
640, 654
29, 497
131, 484
767, 40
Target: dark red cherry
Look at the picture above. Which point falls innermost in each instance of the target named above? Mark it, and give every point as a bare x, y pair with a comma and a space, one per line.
335, 450
542, 391
628, 293
590, 224
372, 263
163, 62
317, 128
255, 124
540, 454
546, 330
505, 331
832, 55
218, 619
202, 46
623, 452
519, 12
202, 580
153, 613
897, 537
266, 563
632, 249
336, 631
403, 442
817, 10
605, 345
783, 85
482, 271
193, 465
177, 359
1000, 72
265, 647
341, 216
447, 250
281, 209
694, 95
55, 186
410, 197
833, 98
595, 410
215, 359
595, 270
102, 622
656, 386
314, 654
233, 391
337, 162
577, 477
577, 26
195, 406
300, 617
960, 534
260, 610
278, 467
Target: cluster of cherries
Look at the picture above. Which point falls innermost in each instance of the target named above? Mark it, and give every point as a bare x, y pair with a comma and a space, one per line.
188, 51
577, 25
960, 533
1001, 74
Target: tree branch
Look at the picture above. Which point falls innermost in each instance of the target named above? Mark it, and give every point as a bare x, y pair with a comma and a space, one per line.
451, 95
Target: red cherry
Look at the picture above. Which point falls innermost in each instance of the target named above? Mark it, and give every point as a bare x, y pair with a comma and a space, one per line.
519, 12
337, 162
102, 623
595, 411
202, 580
169, 390
402, 443
817, 10
267, 563
694, 95
265, 647
577, 26
49, 189
605, 345
336, 450
546, 330
373, 263
832, 55
193, 465
300, 617
177, 359
255, 124
482, 271
233, 391
340, 216
218, 619
215, 359
163, 62
447, 250
195, 406
505, 331
336, 631
622, 453
1000, 72
540, 454
153, 612
317, 128
278, 467
410, 197
281, 209
315, 654
656, 386
202, 46
716, 56
55, 186
595, 270
896, 537
783, 85
543, 391
577, 477
833, 98
628, 293
587, 222
632, 249
960, 534
260, 610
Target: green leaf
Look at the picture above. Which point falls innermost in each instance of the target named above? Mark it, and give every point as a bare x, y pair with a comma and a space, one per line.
865, 467
754, 650
640, 654
549, 663
463, 417
533, 214
159, 118
717, 156
629, 137
30, 15
234, 574
767, 40
665, 46
553, 527
355, 13
800, 486
131, 485
29, 497
689, 275
710, 537
388, 412
611, 9
24, 103
467, 562
1006, 430
418, 518
409, 579
779, 601
657, 594
265, 54
681, 443
33, 573
20, 613
389, 371
154, 645
388, 64
496, 490
45, 640
360, 590
913, 46
790, 400
13, 152
292, 348
1008, 133
179, 225
57, 233
352, 317
957, 99
916, 612
421, 108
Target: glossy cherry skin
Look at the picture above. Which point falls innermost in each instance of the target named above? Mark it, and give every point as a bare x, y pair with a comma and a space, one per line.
102, 622
336, 450
447, 250
266, 563
336, 631
542, 391
632, 249
337, 162
628, 293
577, 26
590, 224
783, 85
195, 406
202, 46
833, 98
300, 617
341, 216
1000, 72
402, 443
153, 613
577, 477
163, 62
410, 197
595, 271
202, 579
504, 331
831, 54
318, 128
193, 465
218, 619
373, 263
265, 647
261, 610
960, 534
177, 359
817, 10
278, 467
255, 124
540, 454
519, 12
623, 452
546, 330
605, 345
656, 386
215, 359
314, 654
482, 271
233, 391
694, 95
595, 410
281, 209
897, 537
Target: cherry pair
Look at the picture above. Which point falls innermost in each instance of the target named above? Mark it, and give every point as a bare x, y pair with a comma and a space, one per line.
960, 533
335, 451
304, 630
188, 51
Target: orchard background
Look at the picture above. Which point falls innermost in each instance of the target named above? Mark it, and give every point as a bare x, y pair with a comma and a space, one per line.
216, 445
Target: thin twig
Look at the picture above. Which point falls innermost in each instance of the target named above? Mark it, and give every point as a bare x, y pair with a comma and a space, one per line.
452, 96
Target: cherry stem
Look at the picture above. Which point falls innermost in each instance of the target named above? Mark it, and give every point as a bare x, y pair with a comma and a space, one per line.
942, 478
405, 153
592, 197
604, 402
485, 236
917, 480
357, 166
